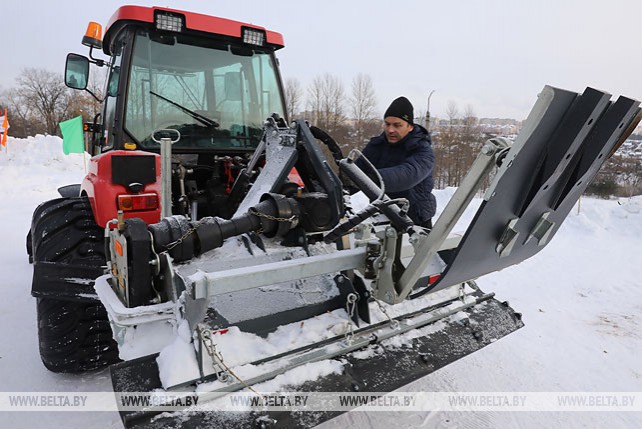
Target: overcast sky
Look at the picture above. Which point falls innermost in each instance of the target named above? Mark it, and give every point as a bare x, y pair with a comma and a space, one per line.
492, 55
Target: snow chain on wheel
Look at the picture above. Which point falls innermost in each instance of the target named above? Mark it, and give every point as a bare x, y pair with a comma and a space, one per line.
74, 336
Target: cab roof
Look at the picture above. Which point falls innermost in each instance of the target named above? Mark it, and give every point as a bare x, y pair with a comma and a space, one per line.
193, 22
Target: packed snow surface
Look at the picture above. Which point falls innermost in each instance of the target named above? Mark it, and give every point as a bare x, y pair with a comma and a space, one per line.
581, 300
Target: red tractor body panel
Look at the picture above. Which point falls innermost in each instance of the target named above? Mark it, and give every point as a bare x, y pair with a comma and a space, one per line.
103, 193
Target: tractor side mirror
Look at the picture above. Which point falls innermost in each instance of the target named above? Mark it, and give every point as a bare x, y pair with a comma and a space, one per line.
77, 71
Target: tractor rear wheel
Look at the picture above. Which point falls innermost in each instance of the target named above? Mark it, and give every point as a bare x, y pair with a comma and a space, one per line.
74, 334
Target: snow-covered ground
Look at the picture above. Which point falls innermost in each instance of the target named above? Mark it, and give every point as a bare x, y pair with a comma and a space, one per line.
581, 300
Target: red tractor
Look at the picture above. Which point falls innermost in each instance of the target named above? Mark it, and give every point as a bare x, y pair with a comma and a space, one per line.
206, 83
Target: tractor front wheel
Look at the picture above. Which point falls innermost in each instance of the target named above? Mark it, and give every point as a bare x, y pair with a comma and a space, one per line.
74, 336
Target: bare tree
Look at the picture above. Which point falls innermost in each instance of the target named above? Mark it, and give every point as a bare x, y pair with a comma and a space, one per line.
325, 102
452, 112
315, 99
469, 119
20, 114
456, 146
471, 140
45, 95
362, 106
293, 96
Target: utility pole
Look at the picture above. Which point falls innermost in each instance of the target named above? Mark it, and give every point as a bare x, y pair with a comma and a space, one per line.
428, 111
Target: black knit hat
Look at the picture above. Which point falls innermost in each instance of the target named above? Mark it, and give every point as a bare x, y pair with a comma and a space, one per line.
401, 108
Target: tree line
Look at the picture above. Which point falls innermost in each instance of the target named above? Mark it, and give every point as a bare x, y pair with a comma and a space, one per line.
40, 100
620, 176
351, 118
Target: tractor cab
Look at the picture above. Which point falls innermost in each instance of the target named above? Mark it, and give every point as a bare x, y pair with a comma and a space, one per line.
206, 83
211, 79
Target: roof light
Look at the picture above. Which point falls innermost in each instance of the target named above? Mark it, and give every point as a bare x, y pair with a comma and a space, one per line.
169, 21
253, 36
93, 36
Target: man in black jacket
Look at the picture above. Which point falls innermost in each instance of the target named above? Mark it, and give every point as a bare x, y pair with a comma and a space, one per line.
404, 158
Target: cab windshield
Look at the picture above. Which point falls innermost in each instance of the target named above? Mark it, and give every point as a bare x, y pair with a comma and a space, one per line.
217, 95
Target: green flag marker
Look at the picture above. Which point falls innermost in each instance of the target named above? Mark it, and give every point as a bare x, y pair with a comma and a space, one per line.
72, 136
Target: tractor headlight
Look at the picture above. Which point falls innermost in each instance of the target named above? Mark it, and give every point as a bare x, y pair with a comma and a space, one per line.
253, 36
169, 21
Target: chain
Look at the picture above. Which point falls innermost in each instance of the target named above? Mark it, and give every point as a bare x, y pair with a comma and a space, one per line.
217, 358
189, 232
394, 324
269, 217
351, 305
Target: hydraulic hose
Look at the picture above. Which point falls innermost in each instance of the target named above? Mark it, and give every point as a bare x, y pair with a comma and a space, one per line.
398, 217
332, 145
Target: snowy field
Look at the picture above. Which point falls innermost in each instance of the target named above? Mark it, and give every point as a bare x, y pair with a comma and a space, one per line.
581, 300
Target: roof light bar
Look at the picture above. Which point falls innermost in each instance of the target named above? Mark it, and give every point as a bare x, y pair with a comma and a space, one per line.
169, 21
253, 36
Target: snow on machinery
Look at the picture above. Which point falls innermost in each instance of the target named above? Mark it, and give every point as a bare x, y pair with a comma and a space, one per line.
191, 204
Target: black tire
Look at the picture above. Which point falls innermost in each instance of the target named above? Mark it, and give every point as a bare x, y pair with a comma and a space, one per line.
74, 336
37, 213
64, 231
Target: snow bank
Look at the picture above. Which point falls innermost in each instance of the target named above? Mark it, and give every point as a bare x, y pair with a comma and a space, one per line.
36, 166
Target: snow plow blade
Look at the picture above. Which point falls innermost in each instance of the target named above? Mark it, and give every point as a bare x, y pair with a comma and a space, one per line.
565, 140
259, 316
378, 363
